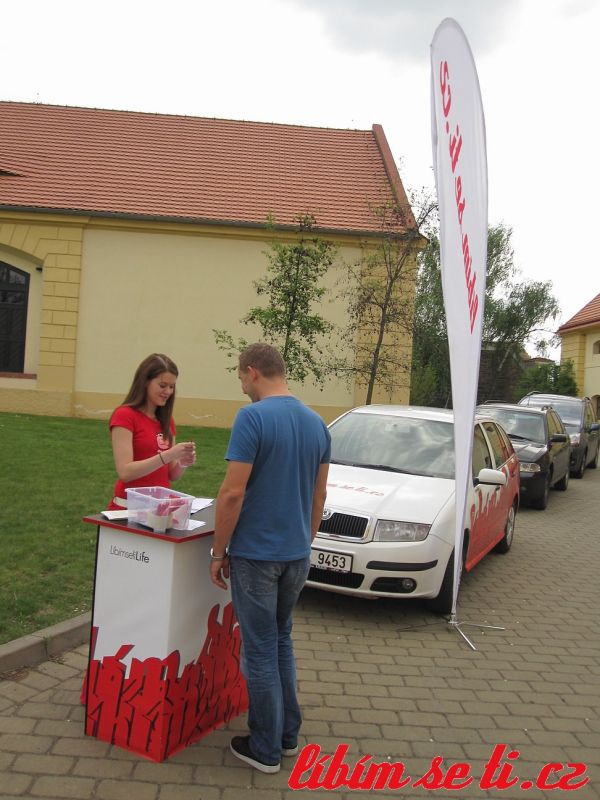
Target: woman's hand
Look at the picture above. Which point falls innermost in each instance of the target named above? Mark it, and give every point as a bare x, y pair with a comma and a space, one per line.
184, 452
179, 457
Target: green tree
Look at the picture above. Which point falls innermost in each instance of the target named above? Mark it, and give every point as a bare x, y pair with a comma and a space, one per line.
379, 294
292, 289
430, 378
516, 312
424, 385
552, 378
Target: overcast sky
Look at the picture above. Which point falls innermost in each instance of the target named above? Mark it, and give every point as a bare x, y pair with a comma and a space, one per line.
349, 64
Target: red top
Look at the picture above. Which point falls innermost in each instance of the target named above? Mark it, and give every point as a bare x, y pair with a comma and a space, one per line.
147, 442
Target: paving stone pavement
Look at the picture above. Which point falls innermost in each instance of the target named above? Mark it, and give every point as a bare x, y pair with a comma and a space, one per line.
386, 678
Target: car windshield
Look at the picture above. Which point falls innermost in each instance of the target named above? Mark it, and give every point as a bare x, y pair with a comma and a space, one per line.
569, 412
518, 424
399, 444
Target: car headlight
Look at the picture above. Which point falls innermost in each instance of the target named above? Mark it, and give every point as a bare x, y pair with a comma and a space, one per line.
575, 438
524, 466
387, 530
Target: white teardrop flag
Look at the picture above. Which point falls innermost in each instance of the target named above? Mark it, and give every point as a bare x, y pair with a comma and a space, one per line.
459, 157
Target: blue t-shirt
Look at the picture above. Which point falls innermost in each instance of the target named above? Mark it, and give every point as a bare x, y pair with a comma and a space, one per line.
286, 443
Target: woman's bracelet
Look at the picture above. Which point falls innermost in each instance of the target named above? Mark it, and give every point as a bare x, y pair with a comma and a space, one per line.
161, 458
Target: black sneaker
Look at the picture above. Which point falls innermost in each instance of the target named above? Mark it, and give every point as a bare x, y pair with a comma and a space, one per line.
240, 747
290, 750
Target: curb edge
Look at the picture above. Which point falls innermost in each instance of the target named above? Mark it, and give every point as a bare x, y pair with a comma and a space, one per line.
32, 649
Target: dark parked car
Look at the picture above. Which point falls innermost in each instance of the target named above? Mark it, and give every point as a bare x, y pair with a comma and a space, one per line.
541, 444
579, 419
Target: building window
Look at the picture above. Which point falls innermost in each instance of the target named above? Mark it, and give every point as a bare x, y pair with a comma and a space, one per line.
14, 299
596, 348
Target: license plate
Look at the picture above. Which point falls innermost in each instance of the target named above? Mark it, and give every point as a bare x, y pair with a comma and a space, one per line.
337, 562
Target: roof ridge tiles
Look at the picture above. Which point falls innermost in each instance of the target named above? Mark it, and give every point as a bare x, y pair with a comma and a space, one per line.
177, 116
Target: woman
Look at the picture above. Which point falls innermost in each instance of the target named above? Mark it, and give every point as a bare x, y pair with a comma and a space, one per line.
143, 431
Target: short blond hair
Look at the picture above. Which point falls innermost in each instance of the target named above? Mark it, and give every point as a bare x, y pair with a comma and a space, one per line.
263, 357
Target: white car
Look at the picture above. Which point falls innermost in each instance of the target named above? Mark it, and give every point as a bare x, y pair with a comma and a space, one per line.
388, 525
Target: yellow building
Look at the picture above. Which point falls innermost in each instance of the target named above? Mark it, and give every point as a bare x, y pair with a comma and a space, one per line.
580, 337
124, 233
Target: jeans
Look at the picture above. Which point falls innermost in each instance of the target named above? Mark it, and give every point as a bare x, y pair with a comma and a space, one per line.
264, 594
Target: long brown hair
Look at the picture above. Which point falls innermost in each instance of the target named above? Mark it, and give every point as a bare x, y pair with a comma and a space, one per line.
151, 368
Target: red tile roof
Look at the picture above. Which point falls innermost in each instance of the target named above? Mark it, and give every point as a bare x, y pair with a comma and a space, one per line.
192, 168
589, 315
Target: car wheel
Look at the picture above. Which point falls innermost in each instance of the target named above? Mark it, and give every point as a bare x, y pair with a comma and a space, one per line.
442, 604
579, 472
594, 463
541, 502
504, 544
563, 483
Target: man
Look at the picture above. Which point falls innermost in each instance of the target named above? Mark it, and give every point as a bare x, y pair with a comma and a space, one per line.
268, 511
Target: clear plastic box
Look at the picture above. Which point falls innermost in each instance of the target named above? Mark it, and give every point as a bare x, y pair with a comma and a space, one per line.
158, 508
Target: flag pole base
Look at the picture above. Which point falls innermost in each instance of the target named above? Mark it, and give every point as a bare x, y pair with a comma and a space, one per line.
454, 623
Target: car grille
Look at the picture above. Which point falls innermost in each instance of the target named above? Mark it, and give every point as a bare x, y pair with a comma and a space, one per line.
349, 580
344, 525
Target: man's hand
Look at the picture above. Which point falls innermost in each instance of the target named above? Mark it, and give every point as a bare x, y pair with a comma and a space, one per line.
219, 570
229, 503
319, 496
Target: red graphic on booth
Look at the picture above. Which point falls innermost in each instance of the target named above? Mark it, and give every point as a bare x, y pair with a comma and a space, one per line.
155, 712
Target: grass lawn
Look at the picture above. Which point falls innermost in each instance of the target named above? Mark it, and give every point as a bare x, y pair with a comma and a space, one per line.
54, 471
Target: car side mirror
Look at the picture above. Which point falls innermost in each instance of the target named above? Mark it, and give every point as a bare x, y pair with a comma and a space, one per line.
490, 477
595, 426
559, 437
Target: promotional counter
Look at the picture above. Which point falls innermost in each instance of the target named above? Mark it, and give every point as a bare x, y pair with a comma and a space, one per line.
164, 664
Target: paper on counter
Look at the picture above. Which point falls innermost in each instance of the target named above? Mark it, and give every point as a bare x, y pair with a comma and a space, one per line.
119, 513
198, 503
193, 524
